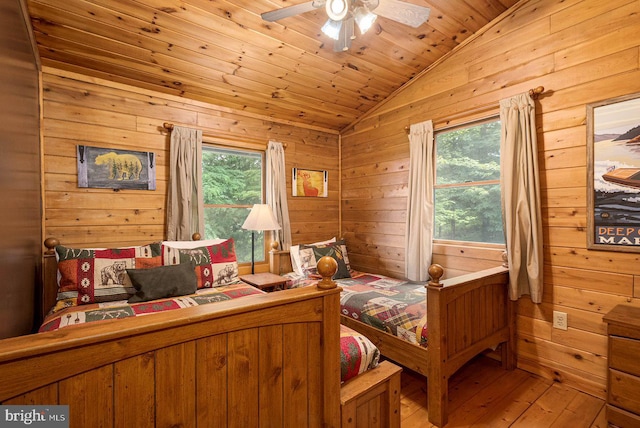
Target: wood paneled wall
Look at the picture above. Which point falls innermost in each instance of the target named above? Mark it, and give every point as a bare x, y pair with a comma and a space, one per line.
581, 51
20, 190
95, 112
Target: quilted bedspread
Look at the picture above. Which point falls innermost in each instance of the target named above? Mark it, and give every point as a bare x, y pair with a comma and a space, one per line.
62, 316
357, 353
395, 306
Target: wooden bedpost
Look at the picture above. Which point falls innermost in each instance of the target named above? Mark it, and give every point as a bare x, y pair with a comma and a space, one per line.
327, 267
437, 378
48, 295
435, 273
508, 349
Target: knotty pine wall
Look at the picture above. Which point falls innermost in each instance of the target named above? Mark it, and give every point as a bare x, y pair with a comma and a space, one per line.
95, 112
581, 51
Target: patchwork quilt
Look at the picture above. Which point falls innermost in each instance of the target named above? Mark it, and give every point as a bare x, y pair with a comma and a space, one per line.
395, 306
63, 315
357, 353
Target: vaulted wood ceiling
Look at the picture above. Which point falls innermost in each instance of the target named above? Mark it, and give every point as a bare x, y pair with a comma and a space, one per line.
222, 52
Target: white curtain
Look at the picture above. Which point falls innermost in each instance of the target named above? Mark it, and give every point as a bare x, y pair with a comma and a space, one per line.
520, 188
419, 226
277, 192
185, 205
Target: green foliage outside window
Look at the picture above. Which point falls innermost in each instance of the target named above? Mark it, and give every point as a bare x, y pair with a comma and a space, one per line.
232, 183
467, 190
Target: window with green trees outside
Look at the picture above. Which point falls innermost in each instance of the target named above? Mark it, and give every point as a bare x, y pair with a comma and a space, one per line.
467, 187
232, 183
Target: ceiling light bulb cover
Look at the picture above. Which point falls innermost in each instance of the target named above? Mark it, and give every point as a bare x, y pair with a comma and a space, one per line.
332, 29
337, 9
364, 18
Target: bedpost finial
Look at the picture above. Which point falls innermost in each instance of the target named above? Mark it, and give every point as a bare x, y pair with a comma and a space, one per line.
327, 267
435, 272
274, 245
51, 243
196, 236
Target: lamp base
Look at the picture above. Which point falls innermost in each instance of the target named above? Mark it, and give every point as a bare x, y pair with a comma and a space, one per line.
253, 243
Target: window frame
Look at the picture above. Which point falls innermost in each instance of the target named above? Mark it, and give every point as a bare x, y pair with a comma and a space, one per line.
467, 124
253, 149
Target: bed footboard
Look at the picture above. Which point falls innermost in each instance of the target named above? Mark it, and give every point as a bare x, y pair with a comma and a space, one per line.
465, 316
372, 398
261, 360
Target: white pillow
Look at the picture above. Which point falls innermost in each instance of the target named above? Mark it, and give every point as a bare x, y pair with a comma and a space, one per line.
296, 262
189, 245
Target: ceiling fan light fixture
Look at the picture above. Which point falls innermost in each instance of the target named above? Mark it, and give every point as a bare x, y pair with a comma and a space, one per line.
364, 18
331, 29
337, 9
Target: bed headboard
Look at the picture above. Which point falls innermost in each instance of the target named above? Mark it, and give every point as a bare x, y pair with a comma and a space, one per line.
49, 292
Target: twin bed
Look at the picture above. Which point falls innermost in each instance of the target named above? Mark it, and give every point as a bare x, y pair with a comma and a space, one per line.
463, 316
269, 359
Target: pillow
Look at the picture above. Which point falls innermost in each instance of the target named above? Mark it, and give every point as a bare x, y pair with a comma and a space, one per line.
294, 252
215, 265
162, 282
357, 353
310, 254
94, 275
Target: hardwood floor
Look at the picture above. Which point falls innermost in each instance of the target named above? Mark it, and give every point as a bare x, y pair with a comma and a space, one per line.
482, 394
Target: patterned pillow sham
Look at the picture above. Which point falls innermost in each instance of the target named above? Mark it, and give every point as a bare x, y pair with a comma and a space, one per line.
215, 265
357, 353
94, 275
294, 251
310, 254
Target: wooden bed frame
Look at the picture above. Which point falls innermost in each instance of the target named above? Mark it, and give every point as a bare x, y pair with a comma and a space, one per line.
264, 360
466, 316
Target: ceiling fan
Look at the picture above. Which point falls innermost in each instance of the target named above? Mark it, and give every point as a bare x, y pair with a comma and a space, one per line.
343, 13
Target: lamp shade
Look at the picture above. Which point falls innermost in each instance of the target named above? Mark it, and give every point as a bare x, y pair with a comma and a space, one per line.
261, 218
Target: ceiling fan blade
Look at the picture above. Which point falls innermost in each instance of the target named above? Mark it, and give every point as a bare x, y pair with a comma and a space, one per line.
403, 12
288, 11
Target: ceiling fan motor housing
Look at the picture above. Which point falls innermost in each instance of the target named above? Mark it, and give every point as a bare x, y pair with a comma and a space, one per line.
337, 9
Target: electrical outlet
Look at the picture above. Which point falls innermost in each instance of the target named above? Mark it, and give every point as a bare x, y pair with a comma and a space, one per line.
560, 320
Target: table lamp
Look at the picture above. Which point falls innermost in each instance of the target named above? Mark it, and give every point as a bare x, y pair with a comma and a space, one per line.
260, 218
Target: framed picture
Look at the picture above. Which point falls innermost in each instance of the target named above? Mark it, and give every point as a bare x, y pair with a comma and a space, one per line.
115, 169
613, 174
309, 182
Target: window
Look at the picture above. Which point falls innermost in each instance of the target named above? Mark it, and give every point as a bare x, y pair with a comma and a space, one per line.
467, 187
232, 183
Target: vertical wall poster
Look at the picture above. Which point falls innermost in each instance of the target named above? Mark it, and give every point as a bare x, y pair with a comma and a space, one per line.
613, 143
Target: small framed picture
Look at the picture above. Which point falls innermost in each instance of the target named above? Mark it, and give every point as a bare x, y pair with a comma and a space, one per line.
115, 169
310, 183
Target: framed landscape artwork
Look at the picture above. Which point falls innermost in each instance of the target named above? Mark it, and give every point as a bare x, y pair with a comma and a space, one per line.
308, 182
613, 174
115, 169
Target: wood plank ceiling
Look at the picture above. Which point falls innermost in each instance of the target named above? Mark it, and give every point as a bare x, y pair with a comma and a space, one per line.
222, 52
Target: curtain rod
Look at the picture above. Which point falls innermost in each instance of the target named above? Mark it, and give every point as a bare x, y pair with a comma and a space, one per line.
169, 126
533, 93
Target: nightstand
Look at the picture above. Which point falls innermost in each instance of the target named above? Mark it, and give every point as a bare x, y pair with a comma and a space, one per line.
265, 281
